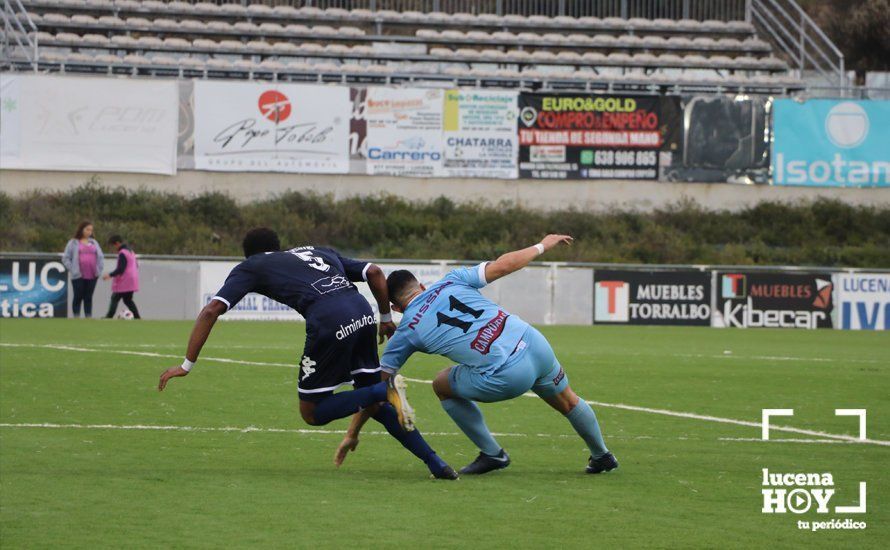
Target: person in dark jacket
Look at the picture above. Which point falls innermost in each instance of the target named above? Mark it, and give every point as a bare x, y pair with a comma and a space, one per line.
126, 278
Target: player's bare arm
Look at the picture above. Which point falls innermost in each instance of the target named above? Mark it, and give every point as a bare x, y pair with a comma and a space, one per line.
377, 283
203, 325
350, 440
516, 260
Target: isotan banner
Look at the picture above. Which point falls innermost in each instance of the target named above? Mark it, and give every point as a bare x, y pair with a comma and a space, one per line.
822, 142
271, 127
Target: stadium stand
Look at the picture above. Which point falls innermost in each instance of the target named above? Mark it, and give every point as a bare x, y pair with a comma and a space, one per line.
285, 42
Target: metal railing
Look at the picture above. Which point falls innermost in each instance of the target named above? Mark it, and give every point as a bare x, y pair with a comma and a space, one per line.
794, 33
19, 33
31, 255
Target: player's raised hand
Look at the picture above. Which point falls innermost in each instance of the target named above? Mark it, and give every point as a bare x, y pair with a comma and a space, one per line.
552, 240
172, 372
348, 444
386, 330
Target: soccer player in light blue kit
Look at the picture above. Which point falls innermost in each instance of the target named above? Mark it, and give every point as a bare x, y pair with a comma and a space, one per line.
499, 356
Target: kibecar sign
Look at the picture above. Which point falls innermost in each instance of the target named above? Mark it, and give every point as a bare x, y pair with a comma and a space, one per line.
33, 288
773, 300
652, 297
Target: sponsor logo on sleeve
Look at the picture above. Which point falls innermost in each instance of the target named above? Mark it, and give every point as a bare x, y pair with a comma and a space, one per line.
330, 284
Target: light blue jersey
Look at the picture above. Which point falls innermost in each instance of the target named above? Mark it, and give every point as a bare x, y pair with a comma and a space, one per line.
453, 319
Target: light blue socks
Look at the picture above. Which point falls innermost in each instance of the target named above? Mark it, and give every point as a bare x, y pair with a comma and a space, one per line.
583, 419
468, 418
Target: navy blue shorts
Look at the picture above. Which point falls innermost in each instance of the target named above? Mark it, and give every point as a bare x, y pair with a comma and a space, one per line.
341, 347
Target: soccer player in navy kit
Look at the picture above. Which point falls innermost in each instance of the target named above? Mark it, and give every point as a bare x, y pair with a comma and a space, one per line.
340, 335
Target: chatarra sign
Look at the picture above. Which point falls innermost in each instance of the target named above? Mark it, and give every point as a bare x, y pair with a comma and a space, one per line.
652, 297
773, 300
33, 288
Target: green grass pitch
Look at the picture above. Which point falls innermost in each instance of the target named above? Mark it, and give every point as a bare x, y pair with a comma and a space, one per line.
246, 475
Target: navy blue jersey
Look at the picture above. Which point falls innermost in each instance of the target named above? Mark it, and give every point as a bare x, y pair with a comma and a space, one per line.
298, 277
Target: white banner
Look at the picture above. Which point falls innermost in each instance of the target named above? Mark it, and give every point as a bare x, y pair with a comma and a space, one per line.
259, 308
253, 307
863, 301
271, 127
404, 135
88, 124
480, 136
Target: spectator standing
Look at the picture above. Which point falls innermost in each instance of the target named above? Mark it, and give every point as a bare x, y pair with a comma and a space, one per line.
126, 278
84, 261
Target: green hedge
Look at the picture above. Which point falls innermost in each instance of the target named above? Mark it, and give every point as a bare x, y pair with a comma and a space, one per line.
827, 233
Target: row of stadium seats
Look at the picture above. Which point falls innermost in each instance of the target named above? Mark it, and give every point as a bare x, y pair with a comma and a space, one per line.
247, 28
113, 22
347, 33
184, 64
284, 12
259, 47
626, 41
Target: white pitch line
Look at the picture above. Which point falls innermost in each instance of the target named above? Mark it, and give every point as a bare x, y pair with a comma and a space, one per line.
146, 354
254, 429
758, 440
635, 354
622, 406
708, 418
773, 358
225, 429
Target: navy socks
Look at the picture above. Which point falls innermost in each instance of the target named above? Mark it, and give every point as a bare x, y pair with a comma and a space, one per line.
413, 441
343, 404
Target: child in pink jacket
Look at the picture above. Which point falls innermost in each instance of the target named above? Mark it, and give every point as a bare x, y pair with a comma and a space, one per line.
126, 278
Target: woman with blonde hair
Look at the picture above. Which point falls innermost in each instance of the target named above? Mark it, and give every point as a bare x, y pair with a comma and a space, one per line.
84, 260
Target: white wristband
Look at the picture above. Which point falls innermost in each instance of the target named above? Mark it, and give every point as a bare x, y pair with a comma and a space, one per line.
187, 365
540, 248
386, 317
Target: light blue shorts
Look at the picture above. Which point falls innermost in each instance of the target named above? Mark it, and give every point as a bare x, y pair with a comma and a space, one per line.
532, 367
